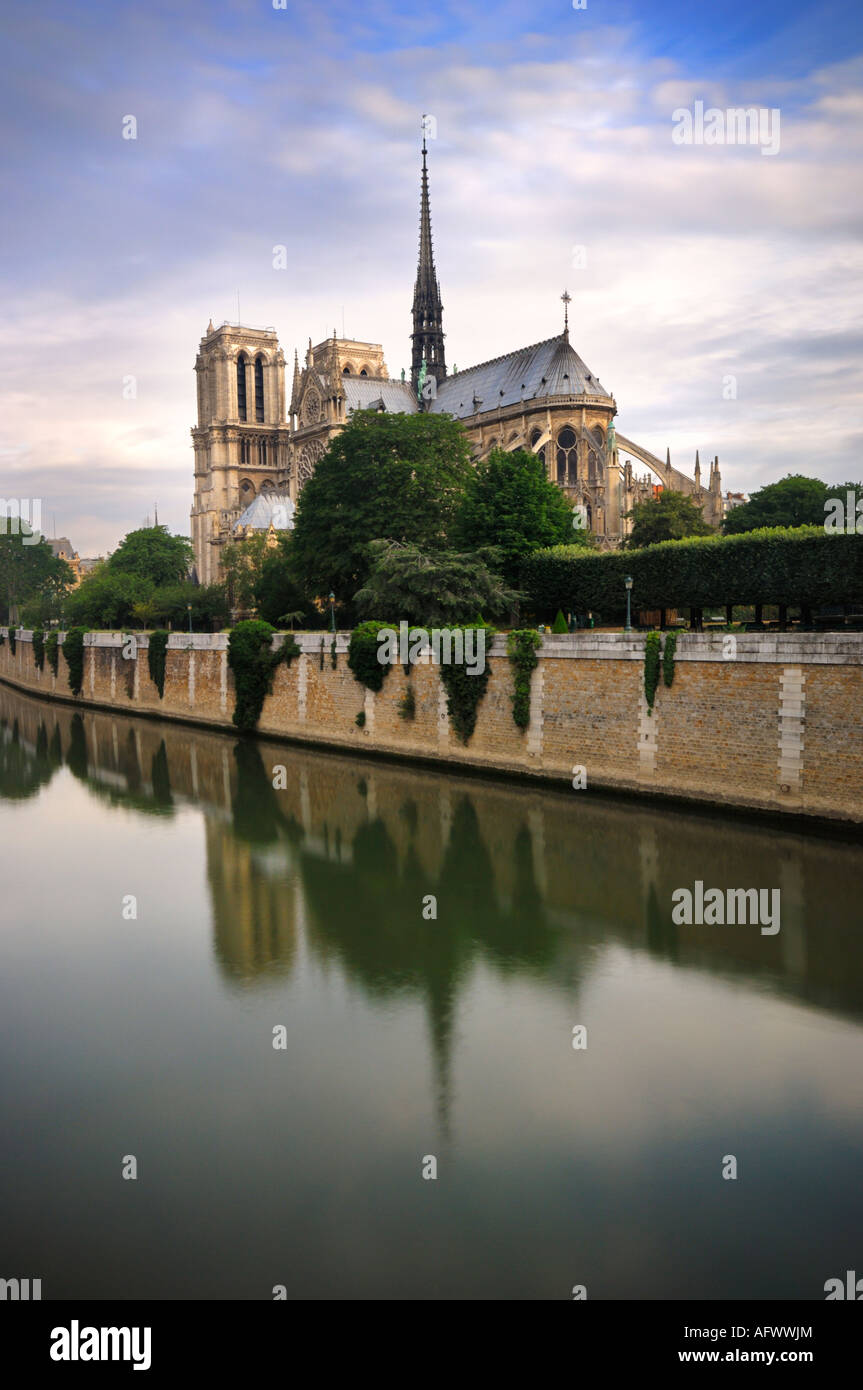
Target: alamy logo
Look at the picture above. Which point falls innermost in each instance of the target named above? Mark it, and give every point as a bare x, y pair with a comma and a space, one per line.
78, 1343
442, 646
22, 515
751, 125
21, 1290
845, 519
732, 906
851, 1289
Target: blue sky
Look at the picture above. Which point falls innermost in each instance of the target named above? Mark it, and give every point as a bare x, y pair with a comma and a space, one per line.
259, 127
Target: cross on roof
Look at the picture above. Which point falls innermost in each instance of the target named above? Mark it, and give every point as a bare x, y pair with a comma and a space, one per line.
567, 300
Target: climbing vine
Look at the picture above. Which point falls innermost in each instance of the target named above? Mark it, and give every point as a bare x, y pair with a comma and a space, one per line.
157, 648
253, 662
73, 650
408, 704
668, 657
651, 668
11, 639
464, 691
363, 654
39, 649
521, 648
334, 661
52, 650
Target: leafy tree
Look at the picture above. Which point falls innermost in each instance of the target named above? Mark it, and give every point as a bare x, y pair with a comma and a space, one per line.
108, 599
385, 476
277, 593
153, 554
794, 501
433, 590
170, 605
242, 568
29, 572
510, 503
669, 517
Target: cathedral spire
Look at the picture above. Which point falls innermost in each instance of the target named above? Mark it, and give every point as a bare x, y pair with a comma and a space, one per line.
427, 337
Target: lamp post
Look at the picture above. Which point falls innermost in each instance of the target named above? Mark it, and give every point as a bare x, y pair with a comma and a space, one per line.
628, 582
332, 612
189, 611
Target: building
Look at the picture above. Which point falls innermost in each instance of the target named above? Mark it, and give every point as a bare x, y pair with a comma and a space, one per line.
63, 549
251, 441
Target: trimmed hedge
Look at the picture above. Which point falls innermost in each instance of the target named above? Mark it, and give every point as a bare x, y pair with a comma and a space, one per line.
804, 565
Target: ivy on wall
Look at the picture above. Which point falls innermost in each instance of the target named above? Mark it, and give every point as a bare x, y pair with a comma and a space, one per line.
73, 650
253, 662
464, 691
651, 668
521, 648
363, 654
52, 650
11, 639
408, 704
39, 649
668, 658
156, 658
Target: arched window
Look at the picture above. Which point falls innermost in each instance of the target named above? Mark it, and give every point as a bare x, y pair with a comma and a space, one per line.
363, 372
536, 435
346, 371
262, 453
247, 492
567, 456
244, 451
591, 466
259, 390
241, 386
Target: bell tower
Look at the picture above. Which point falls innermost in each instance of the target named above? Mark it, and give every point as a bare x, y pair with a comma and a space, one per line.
241, 440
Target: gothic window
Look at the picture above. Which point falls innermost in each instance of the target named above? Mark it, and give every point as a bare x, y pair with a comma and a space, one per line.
591, 466
267, 485
346, 371
262, 453
247, 492
244, 451
567, 456
259, 390
307, 460
241, 386
311, 407
363, 372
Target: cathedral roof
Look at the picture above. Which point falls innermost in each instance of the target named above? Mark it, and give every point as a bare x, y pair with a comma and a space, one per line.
549, 368
366, 392
275, 507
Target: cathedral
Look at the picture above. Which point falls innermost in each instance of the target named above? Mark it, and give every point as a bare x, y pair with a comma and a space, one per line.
255, 450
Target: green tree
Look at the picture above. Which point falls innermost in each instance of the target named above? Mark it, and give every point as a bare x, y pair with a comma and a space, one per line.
669, 517
277, 593
509, 503
108, 599
152, 553
385, 476
28, 572
433, 590
794, 501
242, 568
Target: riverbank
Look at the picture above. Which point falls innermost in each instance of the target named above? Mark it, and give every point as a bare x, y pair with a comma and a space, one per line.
767, 723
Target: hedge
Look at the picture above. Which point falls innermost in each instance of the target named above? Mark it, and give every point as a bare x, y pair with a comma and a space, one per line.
801, 565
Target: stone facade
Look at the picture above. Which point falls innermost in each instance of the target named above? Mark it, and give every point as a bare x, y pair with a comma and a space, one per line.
776, 729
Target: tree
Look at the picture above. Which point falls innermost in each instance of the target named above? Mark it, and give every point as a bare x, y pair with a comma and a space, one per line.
509, 503
277, 593
152, 553
433, 590
108, 599
242, 567
28, 572
385, 476
669, 517
794, 501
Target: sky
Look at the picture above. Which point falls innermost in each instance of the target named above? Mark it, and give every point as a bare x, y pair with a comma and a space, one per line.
716, 289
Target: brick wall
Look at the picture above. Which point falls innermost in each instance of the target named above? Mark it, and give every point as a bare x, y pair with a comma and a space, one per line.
775, 724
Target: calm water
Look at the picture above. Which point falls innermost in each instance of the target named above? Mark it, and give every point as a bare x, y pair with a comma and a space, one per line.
408, 1038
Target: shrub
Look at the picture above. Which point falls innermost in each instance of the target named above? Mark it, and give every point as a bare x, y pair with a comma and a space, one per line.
52, 650
363, 655
560, 624
39, 649
253, 662
804, 565
360, 720
521, 648
73, 650
156, 658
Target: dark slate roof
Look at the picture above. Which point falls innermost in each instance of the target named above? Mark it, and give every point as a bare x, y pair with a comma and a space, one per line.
365, 392
550, 368
260, 513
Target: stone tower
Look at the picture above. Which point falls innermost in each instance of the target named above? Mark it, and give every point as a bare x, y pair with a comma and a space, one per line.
242, 438
427, 338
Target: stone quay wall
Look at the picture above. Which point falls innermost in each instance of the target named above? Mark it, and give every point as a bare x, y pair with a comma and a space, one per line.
770, 723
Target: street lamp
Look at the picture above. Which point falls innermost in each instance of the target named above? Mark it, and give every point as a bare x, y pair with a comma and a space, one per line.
628, 582
332, 612
189, 610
